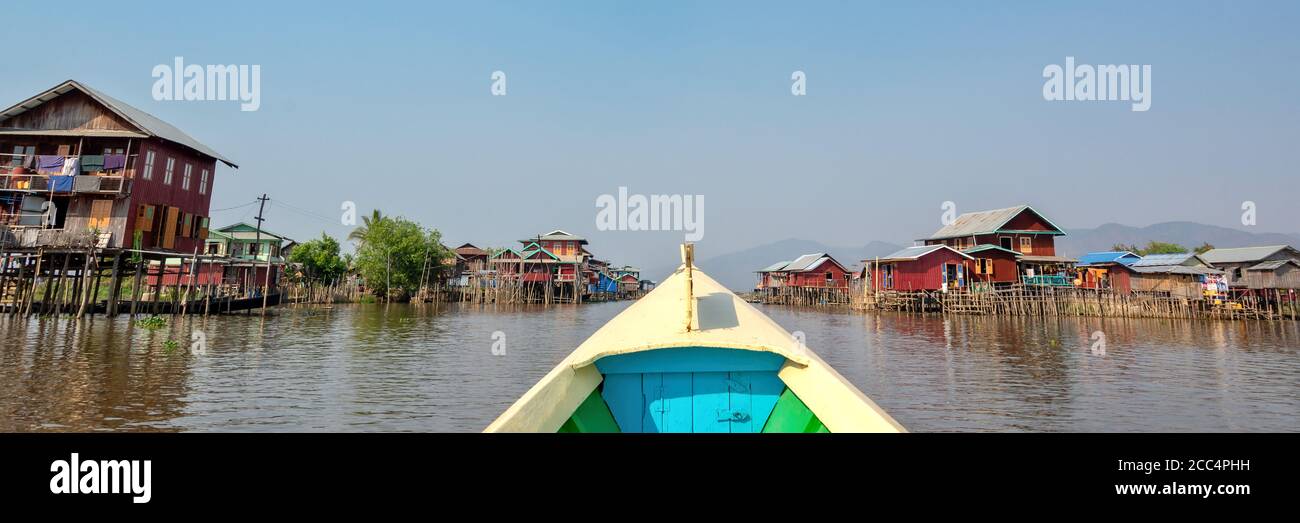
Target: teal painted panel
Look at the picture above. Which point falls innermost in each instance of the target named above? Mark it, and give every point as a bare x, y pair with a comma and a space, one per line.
676, 402
692, 401
690, 359
738, 391
764, 389
622, 393
710, 402
652, 411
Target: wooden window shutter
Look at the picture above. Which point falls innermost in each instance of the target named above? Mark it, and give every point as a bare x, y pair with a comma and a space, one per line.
100, 212
186, 223
203, 228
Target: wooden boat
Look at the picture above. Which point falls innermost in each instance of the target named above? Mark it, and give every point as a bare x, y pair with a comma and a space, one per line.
691, 356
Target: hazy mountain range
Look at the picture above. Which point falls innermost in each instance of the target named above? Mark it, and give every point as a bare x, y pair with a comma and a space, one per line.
736, 269
1187, 234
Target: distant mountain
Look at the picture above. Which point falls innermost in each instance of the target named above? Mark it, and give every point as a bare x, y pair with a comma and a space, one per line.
1187, 234
736, 270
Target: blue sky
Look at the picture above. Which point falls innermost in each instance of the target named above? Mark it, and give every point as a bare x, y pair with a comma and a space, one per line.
388, 105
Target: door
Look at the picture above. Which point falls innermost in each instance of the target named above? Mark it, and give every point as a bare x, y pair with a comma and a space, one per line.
169, 228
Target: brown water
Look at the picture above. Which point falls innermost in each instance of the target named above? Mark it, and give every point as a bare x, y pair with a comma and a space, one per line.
405, 368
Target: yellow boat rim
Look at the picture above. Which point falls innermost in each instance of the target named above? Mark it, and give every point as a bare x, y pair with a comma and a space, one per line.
690, 310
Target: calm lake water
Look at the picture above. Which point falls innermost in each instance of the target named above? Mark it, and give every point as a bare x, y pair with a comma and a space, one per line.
413, 368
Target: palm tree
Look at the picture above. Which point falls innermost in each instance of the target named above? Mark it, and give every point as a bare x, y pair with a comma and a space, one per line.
359, 234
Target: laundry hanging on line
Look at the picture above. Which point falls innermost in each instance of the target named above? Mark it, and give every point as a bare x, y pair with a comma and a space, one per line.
114, 161
47, 163
92, 163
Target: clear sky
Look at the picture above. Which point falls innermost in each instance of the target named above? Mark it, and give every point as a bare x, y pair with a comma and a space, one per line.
389, 105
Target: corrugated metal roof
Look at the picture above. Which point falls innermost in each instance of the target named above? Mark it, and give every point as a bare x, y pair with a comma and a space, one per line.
1270, 265
557, 235
985, 222
146, 122
912, 253
1124, 257
804, 262
774, 267
1175, 269
1242, 254
249, 229
470, 249
1178, 258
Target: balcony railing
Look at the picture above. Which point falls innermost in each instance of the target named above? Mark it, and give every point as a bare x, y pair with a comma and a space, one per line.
25, 172
1047, 280
64, 184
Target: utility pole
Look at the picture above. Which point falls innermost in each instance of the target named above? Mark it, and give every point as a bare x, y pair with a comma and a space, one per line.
257, 242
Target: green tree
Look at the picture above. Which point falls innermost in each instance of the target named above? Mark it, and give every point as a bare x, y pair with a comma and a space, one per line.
360, 233
1155, 247
320, 259
1152, 247
393, 256
1205, 246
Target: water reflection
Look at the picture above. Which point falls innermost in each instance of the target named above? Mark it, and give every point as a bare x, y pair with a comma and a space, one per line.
407, 368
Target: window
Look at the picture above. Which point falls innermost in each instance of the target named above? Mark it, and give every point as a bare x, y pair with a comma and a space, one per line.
203, 182
21, 152
185, 177
1026, 245
1005, 242
148, 165
829, 277
171, 168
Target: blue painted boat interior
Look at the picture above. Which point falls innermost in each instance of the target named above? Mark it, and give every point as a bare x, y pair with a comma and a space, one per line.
693, 389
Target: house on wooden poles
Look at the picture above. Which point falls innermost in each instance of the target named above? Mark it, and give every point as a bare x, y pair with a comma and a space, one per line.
249, 254
91, 186
548, 268
1267, 275
811, 279
1179, 275
468, 263
1105, 269
1022, 230
922, 268
1257, 268
770, 278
